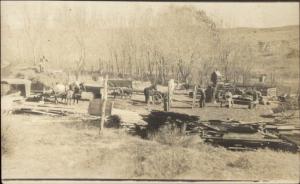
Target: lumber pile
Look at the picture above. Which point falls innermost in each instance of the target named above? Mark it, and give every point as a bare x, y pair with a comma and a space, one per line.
129, 120
54, 110
234, 135
42, 109
8, 102
237, 135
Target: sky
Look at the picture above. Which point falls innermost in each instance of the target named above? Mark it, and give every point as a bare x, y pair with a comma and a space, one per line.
227, 14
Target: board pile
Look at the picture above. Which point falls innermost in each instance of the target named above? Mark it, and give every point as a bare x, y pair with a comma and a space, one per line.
234, 135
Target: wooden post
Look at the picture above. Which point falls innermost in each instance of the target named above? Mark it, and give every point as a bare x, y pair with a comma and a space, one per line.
170, 91
104, 99
169, 98
194, 96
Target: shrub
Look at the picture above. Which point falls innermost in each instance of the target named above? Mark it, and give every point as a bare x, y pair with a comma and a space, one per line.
241, 162
166, 163
5, 140
168, 134
290, 103
113, 121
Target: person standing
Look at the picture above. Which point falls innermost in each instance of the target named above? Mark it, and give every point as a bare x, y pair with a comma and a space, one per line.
215, 78
228, 97
69, 95
42, 64
202, 98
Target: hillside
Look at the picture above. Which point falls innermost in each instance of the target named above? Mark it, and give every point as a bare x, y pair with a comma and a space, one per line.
275, 51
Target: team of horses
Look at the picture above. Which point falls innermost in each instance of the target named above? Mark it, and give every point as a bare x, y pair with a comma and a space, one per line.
72, 92
67, 93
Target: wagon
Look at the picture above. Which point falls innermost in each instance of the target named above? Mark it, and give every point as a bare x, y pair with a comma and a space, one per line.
244, 100
158, 97
95, 89
120, 87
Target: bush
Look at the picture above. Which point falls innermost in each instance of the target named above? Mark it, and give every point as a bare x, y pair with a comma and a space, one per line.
241, 162
165, 163
169, 135
5, 140
289, 104
113, 121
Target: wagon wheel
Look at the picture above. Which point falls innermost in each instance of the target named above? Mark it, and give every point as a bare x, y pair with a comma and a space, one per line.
121, 92
157, 98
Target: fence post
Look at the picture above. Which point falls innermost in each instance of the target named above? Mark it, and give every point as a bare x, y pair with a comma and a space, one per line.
104, 99
194, 96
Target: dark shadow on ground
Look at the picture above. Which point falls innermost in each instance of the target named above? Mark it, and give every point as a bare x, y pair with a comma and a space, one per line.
138, 101
219, 107
177, 107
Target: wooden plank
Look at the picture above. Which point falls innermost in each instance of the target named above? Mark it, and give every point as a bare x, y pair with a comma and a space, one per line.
245, 140
37, 112
95, 107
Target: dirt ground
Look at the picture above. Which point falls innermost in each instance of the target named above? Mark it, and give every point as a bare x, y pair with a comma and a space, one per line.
63, 147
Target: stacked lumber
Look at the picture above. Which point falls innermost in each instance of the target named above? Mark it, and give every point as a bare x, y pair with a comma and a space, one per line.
129, 120
9, 101
234, 135
41, 109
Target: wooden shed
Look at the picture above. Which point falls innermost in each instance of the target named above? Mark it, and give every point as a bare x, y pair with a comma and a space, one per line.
15, 85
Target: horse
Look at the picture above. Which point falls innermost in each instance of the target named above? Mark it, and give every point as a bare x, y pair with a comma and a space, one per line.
60, 91
78, 88
149, 92
68, 93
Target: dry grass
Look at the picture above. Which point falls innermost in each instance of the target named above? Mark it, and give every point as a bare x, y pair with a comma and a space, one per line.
7, 142
206, 162
74, 149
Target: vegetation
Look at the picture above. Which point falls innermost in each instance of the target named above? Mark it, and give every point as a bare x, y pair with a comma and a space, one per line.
178, 42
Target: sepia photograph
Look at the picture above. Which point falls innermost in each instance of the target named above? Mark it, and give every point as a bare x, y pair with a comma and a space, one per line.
150, 92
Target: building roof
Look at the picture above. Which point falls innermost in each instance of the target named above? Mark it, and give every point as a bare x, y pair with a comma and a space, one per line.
15, 81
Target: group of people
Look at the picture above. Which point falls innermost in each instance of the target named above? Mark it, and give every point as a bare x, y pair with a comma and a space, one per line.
211, 94
225, 97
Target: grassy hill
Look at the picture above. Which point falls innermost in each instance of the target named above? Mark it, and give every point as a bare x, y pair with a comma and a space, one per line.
276, 51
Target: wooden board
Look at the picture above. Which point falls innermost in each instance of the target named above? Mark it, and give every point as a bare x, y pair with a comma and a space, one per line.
95, 107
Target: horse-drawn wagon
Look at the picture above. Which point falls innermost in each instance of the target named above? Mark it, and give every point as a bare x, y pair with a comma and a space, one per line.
120, 87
